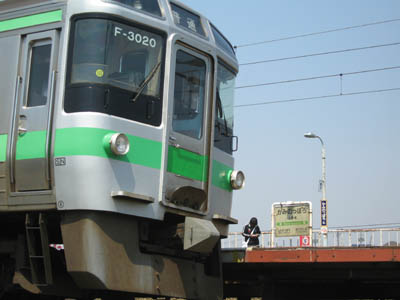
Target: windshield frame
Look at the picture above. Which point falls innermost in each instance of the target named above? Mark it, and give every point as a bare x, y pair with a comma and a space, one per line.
157, 98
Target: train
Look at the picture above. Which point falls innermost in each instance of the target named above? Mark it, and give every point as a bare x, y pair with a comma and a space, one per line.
116, 149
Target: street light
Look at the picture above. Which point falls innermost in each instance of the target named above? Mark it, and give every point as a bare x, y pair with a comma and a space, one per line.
324, 202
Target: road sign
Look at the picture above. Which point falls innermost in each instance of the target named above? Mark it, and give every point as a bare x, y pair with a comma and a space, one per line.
291, 218
324, 213
305, 241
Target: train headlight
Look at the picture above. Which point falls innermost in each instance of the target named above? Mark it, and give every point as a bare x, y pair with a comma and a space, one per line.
118, 143
237, 179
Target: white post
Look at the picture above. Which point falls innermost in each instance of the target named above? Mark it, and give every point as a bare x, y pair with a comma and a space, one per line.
272, 241
310, 234
324, 201
349, 238
323, 171
323, 153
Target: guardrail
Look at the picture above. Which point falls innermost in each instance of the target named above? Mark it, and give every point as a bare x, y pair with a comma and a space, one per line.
370, 237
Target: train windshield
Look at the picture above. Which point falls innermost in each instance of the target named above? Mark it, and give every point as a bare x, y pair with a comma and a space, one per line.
121, 64
225, 100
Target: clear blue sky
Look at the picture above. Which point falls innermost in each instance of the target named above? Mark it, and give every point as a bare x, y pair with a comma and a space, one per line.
361, 133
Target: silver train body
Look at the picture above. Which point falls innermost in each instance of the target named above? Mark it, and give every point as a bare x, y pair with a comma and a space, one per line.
116, 166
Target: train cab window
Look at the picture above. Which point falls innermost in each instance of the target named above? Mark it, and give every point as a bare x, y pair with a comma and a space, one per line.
39, 75
224, 108
221, 41
189, 94
149, 6
115, 69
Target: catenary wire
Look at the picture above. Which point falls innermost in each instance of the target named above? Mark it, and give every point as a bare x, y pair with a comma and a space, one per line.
319, 54
315, 33
317, 77
318, 97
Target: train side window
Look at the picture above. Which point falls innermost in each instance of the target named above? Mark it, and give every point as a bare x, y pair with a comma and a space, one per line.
189, 94
39, 75
224, 108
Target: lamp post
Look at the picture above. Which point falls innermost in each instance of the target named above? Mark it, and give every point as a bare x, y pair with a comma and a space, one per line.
324, 201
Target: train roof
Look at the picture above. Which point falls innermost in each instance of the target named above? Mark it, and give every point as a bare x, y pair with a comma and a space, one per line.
184, 18
219, 38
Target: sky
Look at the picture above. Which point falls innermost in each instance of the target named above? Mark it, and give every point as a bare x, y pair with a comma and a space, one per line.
361, 132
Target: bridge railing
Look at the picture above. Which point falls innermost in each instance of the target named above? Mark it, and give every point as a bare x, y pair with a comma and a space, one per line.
370, 237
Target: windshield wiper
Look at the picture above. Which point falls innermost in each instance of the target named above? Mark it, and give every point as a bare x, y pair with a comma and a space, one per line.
146, 81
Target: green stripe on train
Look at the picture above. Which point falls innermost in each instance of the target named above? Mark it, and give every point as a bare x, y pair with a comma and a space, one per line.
220, 175
32, 20
187, 164
194, 166
31, 145
3, 147
89, 141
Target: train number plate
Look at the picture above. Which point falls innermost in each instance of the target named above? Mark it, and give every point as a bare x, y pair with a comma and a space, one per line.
60, 161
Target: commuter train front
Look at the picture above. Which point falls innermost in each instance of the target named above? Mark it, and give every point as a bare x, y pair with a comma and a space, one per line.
116, 141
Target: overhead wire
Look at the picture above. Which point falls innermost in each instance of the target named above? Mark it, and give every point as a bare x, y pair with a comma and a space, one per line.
316, 33
322, 76
317, 77
317, 97
323, 97
319, 54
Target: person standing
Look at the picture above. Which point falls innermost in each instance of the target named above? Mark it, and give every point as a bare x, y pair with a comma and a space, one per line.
251, 232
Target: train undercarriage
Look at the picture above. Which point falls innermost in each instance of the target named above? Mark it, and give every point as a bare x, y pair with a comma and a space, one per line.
89, 255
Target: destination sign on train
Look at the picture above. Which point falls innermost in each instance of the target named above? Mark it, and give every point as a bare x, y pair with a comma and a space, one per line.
186, 19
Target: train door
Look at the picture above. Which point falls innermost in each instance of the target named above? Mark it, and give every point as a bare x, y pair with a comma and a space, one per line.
188, 132
31, 129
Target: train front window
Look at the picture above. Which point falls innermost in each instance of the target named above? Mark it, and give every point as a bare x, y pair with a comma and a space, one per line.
115, 69
224, 110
